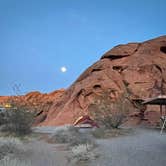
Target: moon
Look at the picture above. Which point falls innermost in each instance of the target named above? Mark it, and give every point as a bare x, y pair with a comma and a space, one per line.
63, 69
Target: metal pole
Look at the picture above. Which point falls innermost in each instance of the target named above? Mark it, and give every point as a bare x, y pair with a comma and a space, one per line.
161, 111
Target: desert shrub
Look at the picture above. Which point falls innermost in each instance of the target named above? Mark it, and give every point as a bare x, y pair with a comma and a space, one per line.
114, 120
2, 120
10, 147
82, 153
7, 161
72, 136
110, 114
18, 121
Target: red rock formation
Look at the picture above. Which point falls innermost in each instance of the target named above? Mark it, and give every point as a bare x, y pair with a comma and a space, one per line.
136, 68
35, 101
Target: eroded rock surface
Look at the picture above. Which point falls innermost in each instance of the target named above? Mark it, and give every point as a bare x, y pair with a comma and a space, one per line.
137, 69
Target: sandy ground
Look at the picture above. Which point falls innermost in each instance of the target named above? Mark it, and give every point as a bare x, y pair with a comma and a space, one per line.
41, 153
144, 148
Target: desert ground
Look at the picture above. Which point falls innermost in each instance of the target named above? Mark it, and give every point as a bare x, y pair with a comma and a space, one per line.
139, 147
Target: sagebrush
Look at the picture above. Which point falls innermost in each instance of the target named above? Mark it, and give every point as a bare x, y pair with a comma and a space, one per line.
72, 136
108, 113
10, 146
18, 120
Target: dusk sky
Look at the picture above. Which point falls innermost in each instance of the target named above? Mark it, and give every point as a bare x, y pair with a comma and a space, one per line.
38, 37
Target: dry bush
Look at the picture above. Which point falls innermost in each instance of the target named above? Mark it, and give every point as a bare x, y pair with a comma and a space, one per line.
110, 114
83, 152
72, 136
2, 120
10, 147
18, 120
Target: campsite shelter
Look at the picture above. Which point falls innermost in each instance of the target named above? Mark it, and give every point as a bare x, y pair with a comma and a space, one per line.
161, 101
85, 122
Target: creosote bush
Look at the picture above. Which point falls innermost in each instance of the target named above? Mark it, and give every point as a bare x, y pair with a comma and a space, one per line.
2, 120
109, 114
18, 120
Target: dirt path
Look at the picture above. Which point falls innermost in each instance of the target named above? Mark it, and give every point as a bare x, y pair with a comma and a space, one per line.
41, 153
142, 148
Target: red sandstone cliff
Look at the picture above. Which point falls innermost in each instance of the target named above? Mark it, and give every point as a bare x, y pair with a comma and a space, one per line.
137, 69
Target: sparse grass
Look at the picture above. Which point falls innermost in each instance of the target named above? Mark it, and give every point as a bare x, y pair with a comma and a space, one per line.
7, 161
10, 146
72, 136
110, 133
98, 133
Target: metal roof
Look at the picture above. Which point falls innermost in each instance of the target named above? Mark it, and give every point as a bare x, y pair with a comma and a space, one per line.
159, 100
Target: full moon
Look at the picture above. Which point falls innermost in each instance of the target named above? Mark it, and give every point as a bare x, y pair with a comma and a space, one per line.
63, 69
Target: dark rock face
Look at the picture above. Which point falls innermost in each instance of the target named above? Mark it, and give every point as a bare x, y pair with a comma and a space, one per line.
136, 68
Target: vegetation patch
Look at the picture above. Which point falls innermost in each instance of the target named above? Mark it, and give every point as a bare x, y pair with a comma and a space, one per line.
72, 136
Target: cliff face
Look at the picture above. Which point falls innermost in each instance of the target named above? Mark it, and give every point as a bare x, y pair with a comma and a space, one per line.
37, 102
136, 68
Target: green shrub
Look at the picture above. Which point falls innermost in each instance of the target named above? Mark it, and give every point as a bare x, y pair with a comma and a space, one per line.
18, 121
2, 120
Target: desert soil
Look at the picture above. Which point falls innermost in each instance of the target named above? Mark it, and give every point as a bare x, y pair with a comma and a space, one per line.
144, 148
140, 148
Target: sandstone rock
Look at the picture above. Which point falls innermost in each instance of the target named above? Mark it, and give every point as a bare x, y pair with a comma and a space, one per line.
36, 102
137, 69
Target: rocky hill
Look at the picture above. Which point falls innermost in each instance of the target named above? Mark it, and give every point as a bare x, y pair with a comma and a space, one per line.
37, 102
137, 69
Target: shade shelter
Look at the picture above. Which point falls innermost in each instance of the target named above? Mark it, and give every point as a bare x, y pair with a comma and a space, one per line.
85, 122
161, 101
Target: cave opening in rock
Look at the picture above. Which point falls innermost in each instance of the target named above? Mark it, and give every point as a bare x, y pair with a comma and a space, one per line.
97, 86
94, 70
163, 49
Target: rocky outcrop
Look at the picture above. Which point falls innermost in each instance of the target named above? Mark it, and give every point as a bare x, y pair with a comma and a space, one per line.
137, 69
37, 102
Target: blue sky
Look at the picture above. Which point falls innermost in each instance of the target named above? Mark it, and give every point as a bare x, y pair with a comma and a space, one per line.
38, 37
